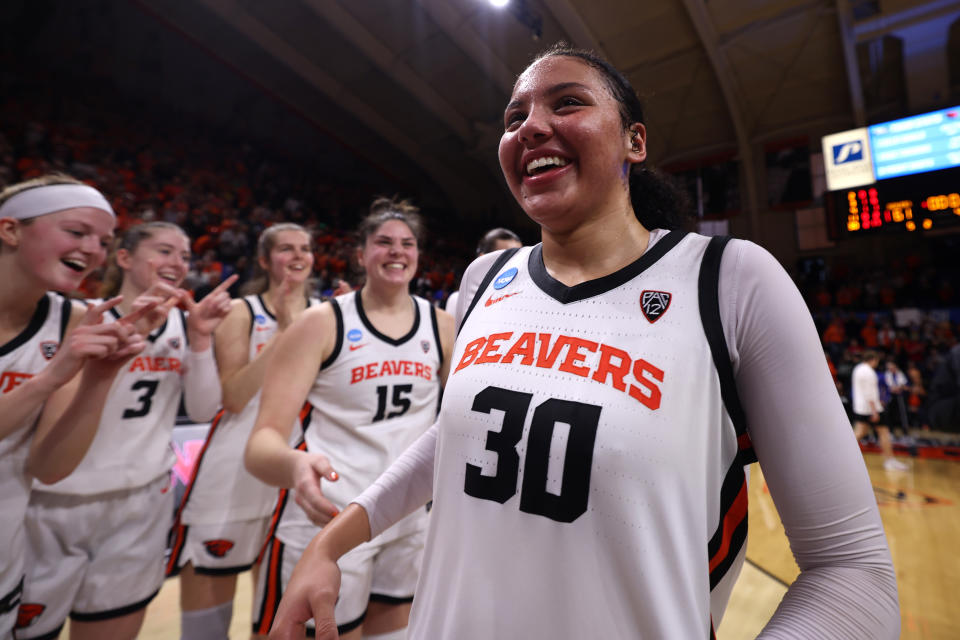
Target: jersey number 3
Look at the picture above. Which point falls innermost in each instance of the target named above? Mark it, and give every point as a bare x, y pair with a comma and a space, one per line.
145, 399
582, 419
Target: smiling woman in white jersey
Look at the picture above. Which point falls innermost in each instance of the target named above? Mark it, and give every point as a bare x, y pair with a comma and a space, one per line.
96, 540
371, 364
224, 513
54, 231
608, 387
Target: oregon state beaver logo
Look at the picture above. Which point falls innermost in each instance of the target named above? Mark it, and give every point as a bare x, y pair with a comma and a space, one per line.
28, 614
218, 548
654, 304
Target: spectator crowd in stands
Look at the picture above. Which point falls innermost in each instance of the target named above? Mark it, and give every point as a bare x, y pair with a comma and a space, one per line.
224, 193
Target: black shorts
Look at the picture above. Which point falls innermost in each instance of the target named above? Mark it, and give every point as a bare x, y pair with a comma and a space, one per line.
891, 416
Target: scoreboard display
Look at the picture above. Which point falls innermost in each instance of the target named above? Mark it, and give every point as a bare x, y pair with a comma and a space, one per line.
924, 201
897, 176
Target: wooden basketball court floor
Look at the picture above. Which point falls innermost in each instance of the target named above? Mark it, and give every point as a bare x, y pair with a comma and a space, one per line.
921, 514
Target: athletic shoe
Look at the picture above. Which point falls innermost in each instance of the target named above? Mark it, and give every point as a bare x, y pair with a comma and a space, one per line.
892, 464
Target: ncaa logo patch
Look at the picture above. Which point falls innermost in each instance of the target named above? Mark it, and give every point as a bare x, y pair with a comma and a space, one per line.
654, 304
260, 318
49, 348
354, 335
505, 278
218, 548
847, 152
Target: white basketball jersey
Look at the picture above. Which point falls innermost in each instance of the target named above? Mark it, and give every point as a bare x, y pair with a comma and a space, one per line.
132, 446
585, 459
21, 359
223, 490
373, 397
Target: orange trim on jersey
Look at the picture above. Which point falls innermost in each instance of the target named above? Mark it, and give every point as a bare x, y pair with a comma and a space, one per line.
272, 589
180, 531
283, 493
277, 513
180, 537
305, 411
731, 520
196, 467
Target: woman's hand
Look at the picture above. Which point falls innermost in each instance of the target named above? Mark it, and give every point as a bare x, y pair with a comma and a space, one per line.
151, 308
92, 339
128, 344
311, 593
309, 470
205, 316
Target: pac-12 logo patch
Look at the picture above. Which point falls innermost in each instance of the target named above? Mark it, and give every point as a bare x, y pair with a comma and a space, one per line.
505, 278
28, 613
174, 343
354, 335
654, 304
425, 345
49, 348
218, 548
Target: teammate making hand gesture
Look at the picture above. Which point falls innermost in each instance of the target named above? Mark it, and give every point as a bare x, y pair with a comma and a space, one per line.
57, 360
96, 539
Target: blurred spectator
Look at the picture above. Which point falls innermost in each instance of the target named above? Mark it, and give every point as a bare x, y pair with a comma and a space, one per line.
835, 338
944, 393
868, 410
897, 384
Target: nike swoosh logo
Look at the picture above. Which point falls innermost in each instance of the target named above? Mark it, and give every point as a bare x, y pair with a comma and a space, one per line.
354, 347
491, 300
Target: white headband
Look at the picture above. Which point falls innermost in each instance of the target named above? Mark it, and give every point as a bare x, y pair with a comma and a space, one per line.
40, 201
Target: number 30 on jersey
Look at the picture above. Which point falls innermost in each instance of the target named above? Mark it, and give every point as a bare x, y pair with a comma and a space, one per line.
582, 419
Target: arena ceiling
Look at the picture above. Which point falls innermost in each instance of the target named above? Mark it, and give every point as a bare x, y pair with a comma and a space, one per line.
418, 86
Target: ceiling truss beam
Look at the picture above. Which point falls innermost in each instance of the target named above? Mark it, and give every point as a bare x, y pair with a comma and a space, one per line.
385, 59
847, 41
703, 24
232, 13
